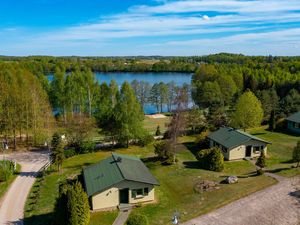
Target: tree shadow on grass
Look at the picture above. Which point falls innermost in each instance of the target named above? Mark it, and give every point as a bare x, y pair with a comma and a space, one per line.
192, 147
192, 165
44, 219
277, 170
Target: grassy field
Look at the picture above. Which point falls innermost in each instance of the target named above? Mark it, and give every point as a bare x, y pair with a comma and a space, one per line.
175, 193
279, 156
151, 124
5, 185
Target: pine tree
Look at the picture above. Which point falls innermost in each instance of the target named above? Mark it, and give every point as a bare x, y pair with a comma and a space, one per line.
157, 133
78, 206
261, 160
272, 121
58, 155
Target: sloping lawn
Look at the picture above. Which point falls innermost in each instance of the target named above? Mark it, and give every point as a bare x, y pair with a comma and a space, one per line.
151, 124
175, 193
279, 156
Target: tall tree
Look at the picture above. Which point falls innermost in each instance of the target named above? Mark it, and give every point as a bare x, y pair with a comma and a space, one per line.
249, 112
129, 115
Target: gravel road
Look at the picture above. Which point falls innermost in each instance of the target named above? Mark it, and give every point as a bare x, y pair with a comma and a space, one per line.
12, 204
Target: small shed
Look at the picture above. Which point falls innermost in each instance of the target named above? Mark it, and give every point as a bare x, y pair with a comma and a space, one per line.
118, 179
236, 144
293, 123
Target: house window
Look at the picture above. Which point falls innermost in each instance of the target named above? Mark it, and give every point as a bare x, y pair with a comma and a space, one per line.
139, 193
257, 149
224, 149
296, 125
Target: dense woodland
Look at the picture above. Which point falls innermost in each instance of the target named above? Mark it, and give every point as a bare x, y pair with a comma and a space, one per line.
29, 101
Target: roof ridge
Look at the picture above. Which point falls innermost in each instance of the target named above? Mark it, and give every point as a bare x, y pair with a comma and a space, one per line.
116, 160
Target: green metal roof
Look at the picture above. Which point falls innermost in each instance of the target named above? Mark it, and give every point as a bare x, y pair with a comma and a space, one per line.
294, 118
113, 170
231, 138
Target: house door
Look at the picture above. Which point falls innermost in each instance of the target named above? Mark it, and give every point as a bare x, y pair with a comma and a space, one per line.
248, 151
124, 196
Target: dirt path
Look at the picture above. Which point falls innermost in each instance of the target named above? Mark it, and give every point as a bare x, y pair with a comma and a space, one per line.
275, 205
12, 204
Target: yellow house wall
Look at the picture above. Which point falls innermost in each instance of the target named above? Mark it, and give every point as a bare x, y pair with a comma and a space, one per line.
110, 198
106, 199
237, 153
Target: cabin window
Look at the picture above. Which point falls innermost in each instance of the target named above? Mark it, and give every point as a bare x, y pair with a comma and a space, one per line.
224, 149
296, 125
138, 193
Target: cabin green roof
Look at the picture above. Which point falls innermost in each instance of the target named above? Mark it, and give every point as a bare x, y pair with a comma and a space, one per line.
113, 170
294, 118
231, 138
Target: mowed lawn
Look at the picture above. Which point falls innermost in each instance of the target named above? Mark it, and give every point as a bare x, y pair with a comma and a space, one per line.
279, 155
151, 124
175, 193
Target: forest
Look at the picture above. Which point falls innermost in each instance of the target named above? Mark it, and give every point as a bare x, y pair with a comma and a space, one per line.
32, 107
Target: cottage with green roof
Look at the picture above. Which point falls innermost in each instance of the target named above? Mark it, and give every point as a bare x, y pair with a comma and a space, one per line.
236, 144
293, 123
118, 179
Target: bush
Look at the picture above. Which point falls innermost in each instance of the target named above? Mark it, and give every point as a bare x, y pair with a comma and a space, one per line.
70, 152
145, 140
78, 206
6, 170
202, 140
211, 159
158, 133
259, 172
87, 147
164, 151
137, 219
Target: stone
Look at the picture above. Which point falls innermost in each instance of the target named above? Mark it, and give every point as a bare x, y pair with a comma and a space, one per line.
231, 180
205, 185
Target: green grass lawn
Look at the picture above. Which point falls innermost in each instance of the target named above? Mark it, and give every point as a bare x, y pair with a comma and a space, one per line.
151, 124
175, 192
280, 152
5, 185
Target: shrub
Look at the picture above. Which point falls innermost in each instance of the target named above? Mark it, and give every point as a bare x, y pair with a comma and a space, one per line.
70, 152
211, 159
261, 161
145, 140
78, 206
202, 140
6, 170
158, 133
56, 139
164, 150
87, 147
137, 219
259, 172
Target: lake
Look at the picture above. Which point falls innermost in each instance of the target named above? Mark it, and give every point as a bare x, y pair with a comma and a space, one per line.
120, 77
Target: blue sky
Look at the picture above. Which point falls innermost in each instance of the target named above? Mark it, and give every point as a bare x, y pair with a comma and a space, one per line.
153, 27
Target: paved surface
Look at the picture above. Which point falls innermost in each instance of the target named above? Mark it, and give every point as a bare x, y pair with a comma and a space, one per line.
276, 205
122, 217
12, 204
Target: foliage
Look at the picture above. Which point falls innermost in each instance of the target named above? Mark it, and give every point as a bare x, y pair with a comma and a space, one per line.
58, 155
56, 140
296, 154
272, 121
137, 219
165, 151
70, 152
158, 132
261, 160
249, 112
211, 159
145, 139
6, 170
202, 141
87, 147
77, 206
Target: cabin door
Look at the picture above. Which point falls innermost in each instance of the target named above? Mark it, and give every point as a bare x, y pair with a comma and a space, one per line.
248, 151
124, 196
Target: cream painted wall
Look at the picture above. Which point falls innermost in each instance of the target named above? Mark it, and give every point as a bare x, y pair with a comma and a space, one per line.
106, 199
237, 153
110, 197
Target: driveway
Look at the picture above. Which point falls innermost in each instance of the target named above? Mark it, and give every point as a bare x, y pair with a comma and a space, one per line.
275, 205
12, 204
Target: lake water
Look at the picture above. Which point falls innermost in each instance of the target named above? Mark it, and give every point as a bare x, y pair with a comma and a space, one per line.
121, 77
178, 78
